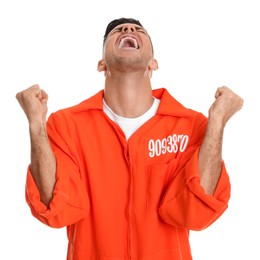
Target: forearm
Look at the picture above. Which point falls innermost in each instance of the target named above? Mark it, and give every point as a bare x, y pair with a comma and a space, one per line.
210, 156
227, 103
43, 162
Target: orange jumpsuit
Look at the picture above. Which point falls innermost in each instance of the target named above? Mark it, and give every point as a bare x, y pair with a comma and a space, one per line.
128, 200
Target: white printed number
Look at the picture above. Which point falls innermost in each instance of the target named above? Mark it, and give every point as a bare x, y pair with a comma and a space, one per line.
171, 144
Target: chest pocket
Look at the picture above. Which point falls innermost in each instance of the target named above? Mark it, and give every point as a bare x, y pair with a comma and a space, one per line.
157, 179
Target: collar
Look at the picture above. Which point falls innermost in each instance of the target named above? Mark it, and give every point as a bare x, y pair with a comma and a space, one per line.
168, 105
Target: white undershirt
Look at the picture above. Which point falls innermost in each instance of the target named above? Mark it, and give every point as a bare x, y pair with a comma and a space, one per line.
130, 125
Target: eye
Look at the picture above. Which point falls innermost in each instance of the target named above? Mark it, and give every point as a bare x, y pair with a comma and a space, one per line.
118, 29
139, 29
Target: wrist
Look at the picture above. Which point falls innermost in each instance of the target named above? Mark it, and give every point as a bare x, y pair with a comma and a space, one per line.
37, 128
216, 121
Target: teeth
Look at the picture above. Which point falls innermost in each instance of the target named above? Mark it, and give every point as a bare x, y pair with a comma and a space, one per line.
128, 38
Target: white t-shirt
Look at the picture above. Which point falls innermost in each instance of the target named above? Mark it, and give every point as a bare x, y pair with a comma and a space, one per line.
130, 125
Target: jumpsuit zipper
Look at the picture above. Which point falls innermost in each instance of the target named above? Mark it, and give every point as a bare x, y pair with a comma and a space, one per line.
130, 206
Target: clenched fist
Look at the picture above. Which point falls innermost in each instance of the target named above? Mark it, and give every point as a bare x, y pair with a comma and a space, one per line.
33, 101
227, 103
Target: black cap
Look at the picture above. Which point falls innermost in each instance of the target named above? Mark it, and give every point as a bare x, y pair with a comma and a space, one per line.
117, 22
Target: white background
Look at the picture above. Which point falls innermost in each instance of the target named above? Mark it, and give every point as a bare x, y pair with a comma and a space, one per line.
199, 45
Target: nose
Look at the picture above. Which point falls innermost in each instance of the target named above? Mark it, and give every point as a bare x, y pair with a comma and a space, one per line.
129, 28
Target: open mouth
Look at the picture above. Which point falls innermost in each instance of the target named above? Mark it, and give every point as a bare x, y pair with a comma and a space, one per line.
128, 42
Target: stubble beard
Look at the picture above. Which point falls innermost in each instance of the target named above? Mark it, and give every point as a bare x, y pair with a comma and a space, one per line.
121, 64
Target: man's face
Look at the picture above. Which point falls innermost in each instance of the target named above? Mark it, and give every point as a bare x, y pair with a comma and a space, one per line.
128, 44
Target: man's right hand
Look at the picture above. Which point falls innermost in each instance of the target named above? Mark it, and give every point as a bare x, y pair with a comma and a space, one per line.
33, 101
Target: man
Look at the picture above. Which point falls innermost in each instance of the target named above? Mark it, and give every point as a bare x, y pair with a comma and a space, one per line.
130, 170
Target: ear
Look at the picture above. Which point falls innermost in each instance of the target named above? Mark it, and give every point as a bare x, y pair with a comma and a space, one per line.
101, 66
153, 65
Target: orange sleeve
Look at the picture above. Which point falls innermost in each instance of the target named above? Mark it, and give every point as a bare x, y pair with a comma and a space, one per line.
185, 203
70, 201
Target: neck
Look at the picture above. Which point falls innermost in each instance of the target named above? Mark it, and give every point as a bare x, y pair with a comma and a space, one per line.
128, 94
